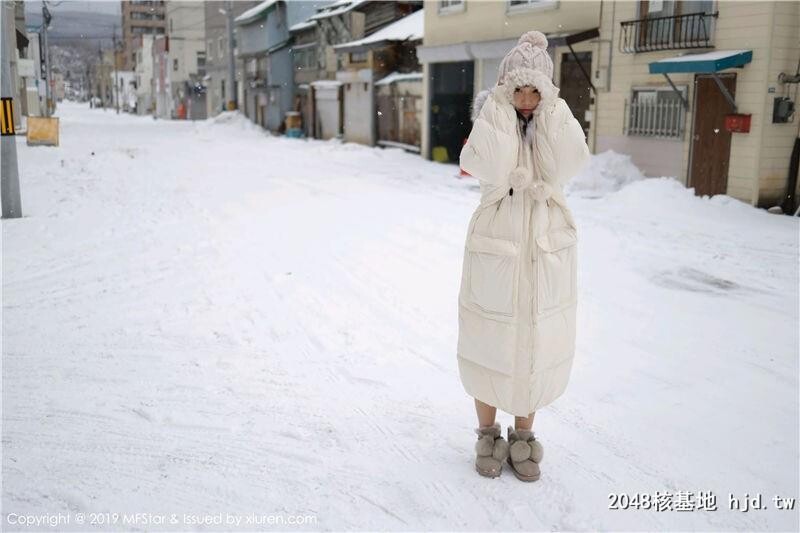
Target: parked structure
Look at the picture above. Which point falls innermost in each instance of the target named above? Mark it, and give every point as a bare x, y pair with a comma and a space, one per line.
716, 115
464, 43
187, 58
140, 17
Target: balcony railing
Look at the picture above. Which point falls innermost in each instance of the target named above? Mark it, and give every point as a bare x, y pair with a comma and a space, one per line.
679, 32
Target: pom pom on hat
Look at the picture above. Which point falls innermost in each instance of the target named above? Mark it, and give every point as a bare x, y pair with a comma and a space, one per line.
535, 38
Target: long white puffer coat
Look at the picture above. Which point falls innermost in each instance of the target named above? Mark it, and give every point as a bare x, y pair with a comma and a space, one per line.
518, 297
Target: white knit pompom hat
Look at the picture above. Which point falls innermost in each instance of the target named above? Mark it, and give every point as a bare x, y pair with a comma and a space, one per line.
528, 63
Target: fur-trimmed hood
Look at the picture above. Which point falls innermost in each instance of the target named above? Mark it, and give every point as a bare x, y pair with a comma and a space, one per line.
519, 77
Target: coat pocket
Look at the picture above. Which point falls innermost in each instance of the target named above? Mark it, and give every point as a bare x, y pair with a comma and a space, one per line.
492, 276
556, 269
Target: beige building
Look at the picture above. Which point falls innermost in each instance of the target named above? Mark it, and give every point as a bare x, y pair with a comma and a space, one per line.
659, 71
186, 28
464, 43
140, 17
701, 46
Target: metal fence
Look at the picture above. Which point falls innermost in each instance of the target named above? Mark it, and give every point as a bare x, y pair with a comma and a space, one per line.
653, 117
693, 30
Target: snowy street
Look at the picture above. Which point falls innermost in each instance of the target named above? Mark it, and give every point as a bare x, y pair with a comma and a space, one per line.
202, 318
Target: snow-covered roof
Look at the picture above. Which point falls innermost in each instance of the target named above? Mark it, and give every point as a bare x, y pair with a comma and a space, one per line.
409, 28
394, 77
326, 83
255, 12
300, 26
336, 8
707, 56
705, 62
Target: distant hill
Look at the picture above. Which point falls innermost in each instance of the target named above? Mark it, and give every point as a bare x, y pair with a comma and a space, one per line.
68, 26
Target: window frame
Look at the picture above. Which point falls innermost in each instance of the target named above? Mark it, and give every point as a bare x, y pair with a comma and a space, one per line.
684, 88
449, 7
532, 6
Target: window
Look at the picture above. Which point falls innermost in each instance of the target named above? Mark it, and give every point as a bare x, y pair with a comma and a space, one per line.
171, 28
201, 63
210, 49
219, 48
451, 6
676, 24
174, 64
358, 57
657, 112
531, 5
305, 58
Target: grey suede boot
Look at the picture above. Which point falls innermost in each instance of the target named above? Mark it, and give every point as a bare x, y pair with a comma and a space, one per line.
524, 454
491, 450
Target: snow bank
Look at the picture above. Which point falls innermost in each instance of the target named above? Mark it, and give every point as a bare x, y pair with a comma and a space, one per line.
233, 119
606, 173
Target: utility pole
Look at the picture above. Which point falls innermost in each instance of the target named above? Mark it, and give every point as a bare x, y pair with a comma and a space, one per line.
230, 93
9, 171
48, 89
116, 74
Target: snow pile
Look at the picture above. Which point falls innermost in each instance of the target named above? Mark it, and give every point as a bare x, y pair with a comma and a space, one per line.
234, 119
668, 197
606, 173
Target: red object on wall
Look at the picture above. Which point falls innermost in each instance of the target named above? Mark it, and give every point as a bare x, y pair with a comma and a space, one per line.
737, 123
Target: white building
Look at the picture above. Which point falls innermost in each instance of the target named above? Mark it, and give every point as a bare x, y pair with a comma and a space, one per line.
187, 57
144, 74
30, 70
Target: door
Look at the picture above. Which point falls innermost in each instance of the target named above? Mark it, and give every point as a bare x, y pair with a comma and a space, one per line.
575, 89
711, 143
451, 96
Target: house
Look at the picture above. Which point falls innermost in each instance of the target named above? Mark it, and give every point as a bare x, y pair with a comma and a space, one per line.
320, 95
466, 40
265, 48
187, 57
216, 35
387, 53
702, 91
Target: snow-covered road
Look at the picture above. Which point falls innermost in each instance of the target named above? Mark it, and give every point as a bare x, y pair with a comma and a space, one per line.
201, 318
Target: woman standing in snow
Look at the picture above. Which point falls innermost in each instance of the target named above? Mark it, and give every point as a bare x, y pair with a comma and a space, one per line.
518, 295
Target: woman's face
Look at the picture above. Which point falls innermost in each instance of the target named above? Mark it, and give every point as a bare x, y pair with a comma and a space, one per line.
526, 99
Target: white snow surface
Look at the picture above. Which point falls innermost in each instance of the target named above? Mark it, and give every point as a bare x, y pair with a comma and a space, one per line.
608, 173
201, 318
